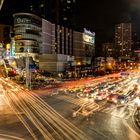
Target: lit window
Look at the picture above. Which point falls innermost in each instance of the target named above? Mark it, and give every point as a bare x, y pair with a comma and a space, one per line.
64, 18
42, 5
68, 1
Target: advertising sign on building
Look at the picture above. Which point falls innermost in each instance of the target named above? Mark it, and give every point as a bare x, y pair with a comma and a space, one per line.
88, 36
24, 18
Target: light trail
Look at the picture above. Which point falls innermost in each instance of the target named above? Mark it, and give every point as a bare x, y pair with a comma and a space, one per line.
44, 118
11, 137
20, 117
23, 107
72, 127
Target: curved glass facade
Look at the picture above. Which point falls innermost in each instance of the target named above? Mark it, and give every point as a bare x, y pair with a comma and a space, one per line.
28, 38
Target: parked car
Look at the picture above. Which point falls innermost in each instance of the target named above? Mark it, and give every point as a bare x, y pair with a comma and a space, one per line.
101, 96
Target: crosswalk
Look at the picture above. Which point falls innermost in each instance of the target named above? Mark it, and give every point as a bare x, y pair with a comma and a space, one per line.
85, 106
124, 112
76, 101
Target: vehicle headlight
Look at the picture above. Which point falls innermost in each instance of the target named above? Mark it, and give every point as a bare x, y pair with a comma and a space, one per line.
122, 102
115, 101
100, 97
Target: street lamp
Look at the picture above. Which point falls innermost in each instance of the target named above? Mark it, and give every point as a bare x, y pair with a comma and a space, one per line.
28, 75
78, 64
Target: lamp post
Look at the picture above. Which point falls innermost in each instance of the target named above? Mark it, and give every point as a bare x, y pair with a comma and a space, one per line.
28, 75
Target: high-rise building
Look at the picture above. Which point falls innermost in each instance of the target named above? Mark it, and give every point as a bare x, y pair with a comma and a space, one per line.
41, 8
64, 12
60, 12
123, 35
5, 32
108, 49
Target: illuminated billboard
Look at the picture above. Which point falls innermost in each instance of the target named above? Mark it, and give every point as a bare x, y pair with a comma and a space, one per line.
88, 36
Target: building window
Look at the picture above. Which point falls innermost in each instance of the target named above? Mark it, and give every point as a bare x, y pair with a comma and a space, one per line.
68, 41
41, 5
60, 39
64, 40
68, 1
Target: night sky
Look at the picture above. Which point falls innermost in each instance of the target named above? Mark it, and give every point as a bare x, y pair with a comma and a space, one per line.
96, 15
102, 15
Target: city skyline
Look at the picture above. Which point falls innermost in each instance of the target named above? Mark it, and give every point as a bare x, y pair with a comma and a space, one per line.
70, 70
95, 15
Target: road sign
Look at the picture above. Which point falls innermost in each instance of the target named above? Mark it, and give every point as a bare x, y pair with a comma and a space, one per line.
32, 66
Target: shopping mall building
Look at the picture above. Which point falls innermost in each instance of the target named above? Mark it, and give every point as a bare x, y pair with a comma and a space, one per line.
53, 48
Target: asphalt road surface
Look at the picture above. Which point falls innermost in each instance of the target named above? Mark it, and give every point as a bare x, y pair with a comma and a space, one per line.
47, 117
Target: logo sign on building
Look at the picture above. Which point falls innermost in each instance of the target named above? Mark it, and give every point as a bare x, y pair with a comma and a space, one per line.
27, 19
88, 36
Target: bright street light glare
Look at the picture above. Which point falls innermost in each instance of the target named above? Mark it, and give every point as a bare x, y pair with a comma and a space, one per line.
1, 3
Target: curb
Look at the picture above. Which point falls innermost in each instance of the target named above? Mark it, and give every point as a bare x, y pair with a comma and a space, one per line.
137, 121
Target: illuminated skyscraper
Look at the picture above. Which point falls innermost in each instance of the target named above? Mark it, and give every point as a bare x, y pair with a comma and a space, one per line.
123, 37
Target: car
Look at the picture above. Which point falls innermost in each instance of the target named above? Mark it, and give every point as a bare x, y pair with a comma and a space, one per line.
122, 99
62, 91
101, 96
112, 98
88, 89
131, 94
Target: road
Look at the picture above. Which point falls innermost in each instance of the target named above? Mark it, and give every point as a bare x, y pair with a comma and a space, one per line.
41, 121
42, 116
107, 123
